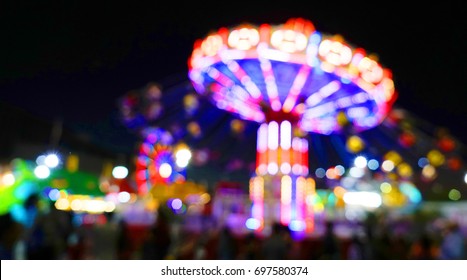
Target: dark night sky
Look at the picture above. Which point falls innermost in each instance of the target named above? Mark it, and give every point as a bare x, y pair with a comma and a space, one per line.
73, 60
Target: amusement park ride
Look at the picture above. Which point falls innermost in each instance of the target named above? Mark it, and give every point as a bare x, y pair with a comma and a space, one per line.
291, 79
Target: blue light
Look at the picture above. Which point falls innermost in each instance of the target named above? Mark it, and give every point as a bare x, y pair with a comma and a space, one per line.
423, 161
411, 192
373, 164
54, 194
345, 80
19, 214
24, 190
315, 38
320, 172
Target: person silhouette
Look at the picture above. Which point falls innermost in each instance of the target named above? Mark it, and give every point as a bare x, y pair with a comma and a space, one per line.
275, 246
226, 249
158, 242
10, 232
452, 244
330, 243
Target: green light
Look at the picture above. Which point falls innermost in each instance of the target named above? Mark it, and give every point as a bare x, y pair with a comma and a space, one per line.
454, 194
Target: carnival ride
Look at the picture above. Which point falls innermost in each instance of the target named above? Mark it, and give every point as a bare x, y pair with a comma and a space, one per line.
291, 79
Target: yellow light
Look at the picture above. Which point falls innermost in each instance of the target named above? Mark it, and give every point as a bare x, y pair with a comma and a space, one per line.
237, 126
355, 144
429, 171
62, 204
342, 119
318, 207
205, 198
190, 101
311, 186
194, 129
77, 205
72, 163
63, 194
388, 86
404, 170
257, 189
393, 156
339, 191
385, 187
435, 157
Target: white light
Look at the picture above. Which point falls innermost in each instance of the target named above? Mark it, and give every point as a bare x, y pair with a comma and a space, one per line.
365, 199
120, 172
360, 162
286, 135
51, 160
285, 168
252, 223
262, 141
123, 197
165, 170
8, 179
94, 206
273, 168
183, 157
42, 172
387, 165
356, 172
109, 207
273, 135
465, 178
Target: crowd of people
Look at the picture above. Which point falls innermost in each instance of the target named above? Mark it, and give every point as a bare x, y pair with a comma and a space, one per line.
52, 234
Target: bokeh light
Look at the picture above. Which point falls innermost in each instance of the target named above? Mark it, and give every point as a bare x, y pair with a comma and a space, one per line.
120, 172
